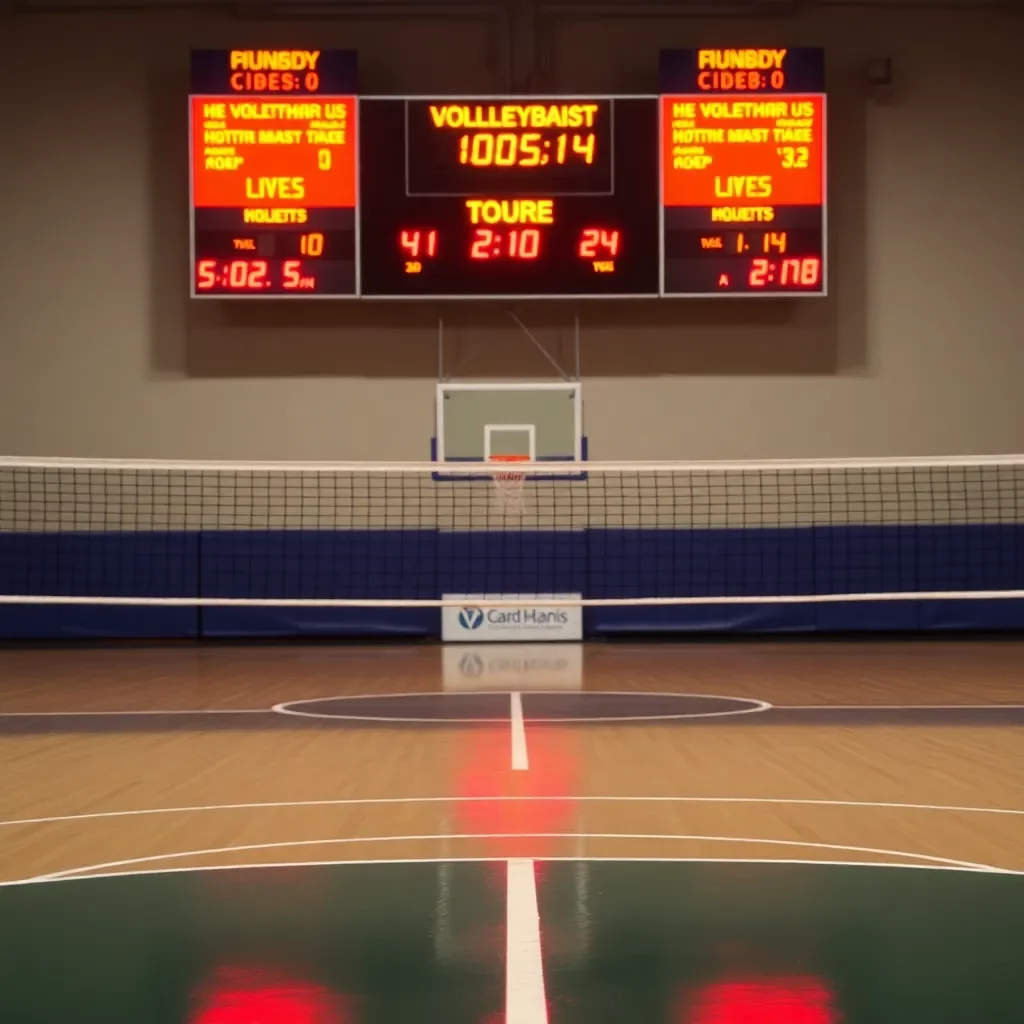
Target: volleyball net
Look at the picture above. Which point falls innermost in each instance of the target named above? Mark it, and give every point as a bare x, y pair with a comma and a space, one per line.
405, 535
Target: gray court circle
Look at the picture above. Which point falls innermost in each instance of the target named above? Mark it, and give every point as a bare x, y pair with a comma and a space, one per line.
294, 707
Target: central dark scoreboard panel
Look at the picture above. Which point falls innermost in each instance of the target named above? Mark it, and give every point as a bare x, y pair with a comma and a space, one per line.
502, 198
301, 187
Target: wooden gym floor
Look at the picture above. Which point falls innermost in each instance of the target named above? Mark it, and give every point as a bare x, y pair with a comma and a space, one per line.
852, 727
124, 760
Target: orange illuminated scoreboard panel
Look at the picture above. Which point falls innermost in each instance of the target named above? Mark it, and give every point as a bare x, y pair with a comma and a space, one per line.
743, 180
274, 173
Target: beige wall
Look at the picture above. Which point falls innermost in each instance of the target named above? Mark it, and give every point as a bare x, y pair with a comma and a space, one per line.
918, 350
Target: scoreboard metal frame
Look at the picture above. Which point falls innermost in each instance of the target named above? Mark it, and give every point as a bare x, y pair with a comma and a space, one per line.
359, 243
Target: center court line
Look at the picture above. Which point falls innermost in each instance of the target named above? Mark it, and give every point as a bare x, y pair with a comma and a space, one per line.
525, 999
520, 759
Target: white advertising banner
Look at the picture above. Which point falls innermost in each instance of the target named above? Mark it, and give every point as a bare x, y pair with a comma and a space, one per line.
472, 623
481, 667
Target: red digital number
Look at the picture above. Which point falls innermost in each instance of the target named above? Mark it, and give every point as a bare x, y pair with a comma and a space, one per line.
417, 243
593, 239
257, 274
810, 272
525, 244
207, 271
238, 275
483, 240
292, 273
518, 244
796, 271
244, 275
759, 273
804, 272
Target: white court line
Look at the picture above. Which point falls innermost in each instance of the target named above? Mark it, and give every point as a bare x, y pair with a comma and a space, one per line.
362, 862
525, 999
384, 800
118, 714
895, 707
286, 708
348, 840
520, 759
755, 706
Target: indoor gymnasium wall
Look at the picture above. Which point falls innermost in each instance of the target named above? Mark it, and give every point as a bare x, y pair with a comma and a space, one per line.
917, 350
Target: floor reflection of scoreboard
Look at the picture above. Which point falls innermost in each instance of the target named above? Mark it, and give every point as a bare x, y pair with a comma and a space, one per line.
245, 995
792, 999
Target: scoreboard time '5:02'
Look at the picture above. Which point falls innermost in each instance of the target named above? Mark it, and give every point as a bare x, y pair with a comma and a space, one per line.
302, 188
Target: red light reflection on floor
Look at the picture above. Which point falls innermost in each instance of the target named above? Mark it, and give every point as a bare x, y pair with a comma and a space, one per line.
249, 995
483, 770
790, 1000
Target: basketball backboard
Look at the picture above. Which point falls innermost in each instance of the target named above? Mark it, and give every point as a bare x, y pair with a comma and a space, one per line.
478, 421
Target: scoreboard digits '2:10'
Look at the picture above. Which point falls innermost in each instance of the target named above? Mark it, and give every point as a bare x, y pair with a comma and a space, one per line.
299, 188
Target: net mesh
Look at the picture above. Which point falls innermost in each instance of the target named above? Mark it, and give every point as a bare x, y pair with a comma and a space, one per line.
401, 534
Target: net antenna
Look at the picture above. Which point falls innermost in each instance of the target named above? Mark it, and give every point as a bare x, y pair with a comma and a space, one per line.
508, 477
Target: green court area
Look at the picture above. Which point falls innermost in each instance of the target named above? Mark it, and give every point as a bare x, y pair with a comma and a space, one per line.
622, 941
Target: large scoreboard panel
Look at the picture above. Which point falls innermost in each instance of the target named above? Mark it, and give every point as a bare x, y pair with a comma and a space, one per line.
302, 188
743, 172
477, 197
274, 141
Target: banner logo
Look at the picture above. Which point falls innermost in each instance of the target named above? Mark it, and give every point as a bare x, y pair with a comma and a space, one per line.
471, 618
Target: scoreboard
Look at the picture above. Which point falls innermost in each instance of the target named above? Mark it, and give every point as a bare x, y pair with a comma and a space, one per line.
301, 187
273, 158
547, 197
743, 171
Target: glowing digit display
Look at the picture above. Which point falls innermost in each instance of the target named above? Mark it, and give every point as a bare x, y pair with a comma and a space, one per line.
529, 149
301, 188
743, 171
531, 197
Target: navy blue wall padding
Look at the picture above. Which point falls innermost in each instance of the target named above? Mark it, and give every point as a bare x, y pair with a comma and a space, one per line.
97, 622
99, 564
530, 562
598, 563
271, 621
357, 564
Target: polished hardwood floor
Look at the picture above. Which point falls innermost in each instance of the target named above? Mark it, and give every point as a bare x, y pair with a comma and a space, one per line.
891, 752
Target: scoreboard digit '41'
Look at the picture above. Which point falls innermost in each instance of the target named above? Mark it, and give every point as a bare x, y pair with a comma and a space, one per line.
300, 187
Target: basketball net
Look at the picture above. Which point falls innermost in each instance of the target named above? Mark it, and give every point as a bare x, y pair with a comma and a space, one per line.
509, 484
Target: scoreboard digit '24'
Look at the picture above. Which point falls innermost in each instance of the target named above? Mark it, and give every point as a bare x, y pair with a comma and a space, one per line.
300, 187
